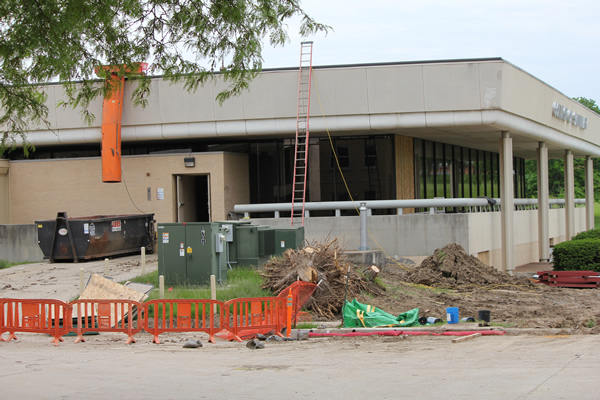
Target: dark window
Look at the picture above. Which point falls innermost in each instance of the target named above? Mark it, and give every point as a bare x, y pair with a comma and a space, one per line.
343, 157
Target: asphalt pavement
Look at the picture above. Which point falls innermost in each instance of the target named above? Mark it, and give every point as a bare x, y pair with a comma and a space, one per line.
513, 366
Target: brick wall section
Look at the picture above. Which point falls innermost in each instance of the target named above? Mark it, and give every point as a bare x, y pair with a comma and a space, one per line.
41, 188
4, 193
236, 188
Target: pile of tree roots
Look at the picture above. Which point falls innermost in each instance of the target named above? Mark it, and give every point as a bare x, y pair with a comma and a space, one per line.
322, 264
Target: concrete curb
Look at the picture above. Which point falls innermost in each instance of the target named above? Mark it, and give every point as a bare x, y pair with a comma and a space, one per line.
333, 327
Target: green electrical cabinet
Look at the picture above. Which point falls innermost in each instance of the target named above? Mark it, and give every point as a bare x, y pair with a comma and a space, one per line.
265, 247
189, 253
231, 237
247, 245
279, 239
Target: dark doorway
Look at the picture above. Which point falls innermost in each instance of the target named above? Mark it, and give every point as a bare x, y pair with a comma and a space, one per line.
192, 200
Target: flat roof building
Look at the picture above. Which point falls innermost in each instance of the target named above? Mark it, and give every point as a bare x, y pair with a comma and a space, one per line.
411, 130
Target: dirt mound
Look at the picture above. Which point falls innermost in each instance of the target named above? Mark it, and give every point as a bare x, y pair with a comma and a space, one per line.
451, 267
325, 264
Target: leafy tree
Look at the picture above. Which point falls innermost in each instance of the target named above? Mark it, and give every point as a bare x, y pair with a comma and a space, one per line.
556, 168
184, 40
589, 103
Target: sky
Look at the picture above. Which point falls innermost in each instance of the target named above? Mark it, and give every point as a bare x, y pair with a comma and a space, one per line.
555, 41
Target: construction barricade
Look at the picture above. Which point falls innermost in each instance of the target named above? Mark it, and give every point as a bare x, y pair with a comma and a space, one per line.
301, 292
52, 317
106, 316
250, 316
208, 316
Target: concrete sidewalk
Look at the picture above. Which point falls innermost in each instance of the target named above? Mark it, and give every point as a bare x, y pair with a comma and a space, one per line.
505, 367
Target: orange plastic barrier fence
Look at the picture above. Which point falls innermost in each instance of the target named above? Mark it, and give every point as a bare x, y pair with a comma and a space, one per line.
107, 316
301, 292
235, 319
52, 317
207, 316
256, 315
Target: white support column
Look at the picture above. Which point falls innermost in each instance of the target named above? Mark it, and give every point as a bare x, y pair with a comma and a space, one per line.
589, 193
507, 201
543, 204
569, 195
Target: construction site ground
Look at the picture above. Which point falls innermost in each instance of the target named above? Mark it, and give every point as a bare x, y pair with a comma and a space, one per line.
524, 305
549, 352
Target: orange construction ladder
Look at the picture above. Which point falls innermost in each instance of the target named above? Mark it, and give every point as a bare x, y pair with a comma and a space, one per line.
302, 136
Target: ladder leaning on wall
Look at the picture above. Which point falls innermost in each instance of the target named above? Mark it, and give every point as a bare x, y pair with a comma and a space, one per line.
302, 135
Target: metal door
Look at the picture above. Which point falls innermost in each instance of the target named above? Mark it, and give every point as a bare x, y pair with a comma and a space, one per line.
172, 253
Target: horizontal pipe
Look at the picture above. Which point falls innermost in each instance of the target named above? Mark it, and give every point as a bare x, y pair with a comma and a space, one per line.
386, 204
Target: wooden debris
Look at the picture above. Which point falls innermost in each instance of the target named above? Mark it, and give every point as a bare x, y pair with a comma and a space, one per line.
318, 262
463, 338
99, 288
371, 273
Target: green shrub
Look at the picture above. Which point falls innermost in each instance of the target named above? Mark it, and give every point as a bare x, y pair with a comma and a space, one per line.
591, 234
577, 255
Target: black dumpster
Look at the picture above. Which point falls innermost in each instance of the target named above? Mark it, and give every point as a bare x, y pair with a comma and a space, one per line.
85, 238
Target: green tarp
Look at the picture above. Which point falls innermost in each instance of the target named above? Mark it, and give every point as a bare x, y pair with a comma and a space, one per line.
366, 316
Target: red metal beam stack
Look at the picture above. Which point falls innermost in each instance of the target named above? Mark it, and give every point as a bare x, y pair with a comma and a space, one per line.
573, 279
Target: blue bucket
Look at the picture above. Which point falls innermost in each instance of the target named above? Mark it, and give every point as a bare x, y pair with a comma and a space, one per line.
452, 315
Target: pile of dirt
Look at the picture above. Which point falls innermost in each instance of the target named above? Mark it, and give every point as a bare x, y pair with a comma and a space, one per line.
450, 277
452, 267
323, 264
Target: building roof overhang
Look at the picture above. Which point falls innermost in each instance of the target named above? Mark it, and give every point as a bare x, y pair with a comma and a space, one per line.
459, 102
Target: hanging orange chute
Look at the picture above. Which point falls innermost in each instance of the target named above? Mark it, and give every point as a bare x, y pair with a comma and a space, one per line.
112, 112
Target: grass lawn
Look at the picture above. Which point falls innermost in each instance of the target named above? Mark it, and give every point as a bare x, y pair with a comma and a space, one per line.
597, 215
241, 282
5, 264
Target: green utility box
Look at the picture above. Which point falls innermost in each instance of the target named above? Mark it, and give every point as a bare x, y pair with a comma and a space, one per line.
231, 237
278, 240
265, 247
189, 253
248, 244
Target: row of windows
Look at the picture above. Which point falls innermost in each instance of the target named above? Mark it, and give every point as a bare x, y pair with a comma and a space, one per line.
368, 164
443, 170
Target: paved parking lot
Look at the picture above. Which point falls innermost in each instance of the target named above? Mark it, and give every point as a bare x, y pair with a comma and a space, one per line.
490, 367
505, 367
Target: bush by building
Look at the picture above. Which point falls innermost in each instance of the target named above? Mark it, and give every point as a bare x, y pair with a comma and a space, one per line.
577, 255
591, 234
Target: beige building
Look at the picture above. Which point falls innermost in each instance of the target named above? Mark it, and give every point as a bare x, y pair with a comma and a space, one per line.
452, 129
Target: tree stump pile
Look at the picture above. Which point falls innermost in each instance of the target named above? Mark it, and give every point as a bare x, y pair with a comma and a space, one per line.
323, 264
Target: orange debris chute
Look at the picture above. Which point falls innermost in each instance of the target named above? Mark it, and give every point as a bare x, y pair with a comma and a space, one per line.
112, 112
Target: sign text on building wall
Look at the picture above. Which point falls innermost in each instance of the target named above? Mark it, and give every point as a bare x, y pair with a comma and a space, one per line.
562, 112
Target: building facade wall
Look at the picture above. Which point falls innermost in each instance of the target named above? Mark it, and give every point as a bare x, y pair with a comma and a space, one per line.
405, 168
521, 94
422, 234
485, 240
4, 192
236, 182
41, 188
18, 243
383, 99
